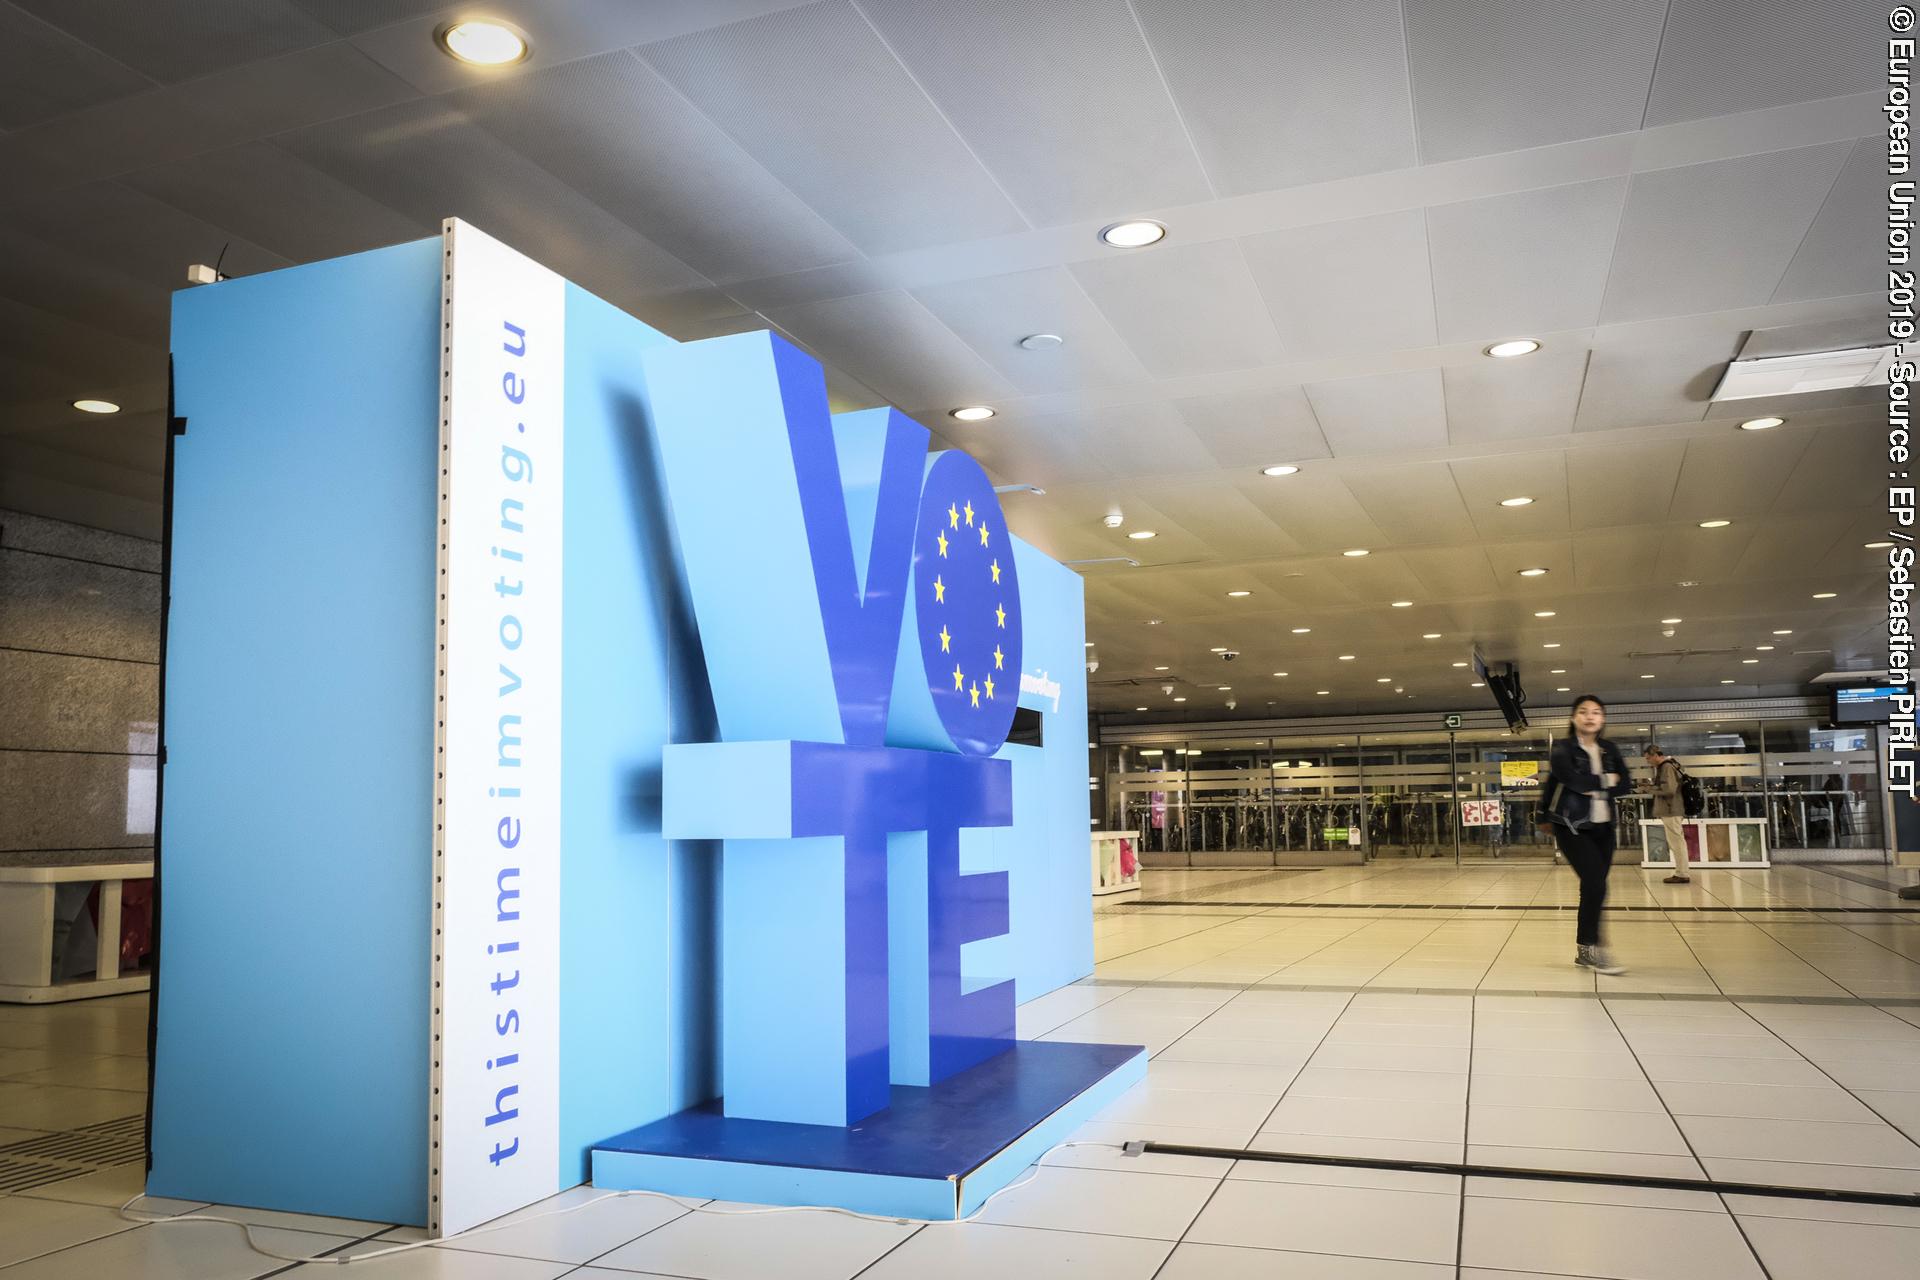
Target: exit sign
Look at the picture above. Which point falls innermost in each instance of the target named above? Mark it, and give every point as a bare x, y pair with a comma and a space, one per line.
1454, 721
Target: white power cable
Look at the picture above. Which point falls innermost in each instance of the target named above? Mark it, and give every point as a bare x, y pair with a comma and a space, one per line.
700, 1206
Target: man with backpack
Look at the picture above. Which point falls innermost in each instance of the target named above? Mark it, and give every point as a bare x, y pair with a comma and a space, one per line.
1669, 805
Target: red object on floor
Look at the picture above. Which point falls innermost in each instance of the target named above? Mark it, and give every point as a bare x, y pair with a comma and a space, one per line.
1128, 863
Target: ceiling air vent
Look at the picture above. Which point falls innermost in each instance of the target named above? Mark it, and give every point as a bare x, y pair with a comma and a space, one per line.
1795, 375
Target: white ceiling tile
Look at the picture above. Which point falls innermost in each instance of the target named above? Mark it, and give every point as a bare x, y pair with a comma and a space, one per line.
1714, 236
1452, 573
1413, 505
817, 98
1736, 475
1838, 471
1514, 399
1621, 484
44, 72
1062, 101
1184, 309
1381, 413
1687, 551
1529, 263
1564, 70
1278, 93
1485, 482
993, 313
173, 42
680, 181
1640, 384
1255, 429
1845, 249
1722, 56
1343, 287
1610, 559
1319, 516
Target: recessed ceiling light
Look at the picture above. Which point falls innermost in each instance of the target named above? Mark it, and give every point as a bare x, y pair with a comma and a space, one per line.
1545, 613
1563, 689
1238, 594
1748, 661
1558, 671
1516, 502
1135, 233
1431, 635
1357, 551
1531, 573
1715, 524
1163, 668
1516, 347
1141, 535
1040, 341
1687, 583
1459, 664
96, 406
1671, 622
1787, 632
1139, 708
1403, 604
1646, 677
1399, 689
1825, 595
1322, 692
1876, 546
482, 43
1477, 684
1179, 699
1551, 644
1383, 680
1761, 424
1726, 682
1225, 688
1217, 650
1300, 631
1346, 657
1764, 648
1282, 469
971, 413
1279, 675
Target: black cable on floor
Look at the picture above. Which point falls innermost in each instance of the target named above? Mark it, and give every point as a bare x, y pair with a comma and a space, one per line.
1904, 1200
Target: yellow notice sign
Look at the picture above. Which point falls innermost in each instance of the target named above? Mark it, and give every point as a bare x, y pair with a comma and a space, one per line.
1519, 773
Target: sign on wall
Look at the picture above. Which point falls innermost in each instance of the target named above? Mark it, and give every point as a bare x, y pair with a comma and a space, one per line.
495, 1055
1480, 813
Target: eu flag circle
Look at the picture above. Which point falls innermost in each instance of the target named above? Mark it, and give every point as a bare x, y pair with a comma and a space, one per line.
967, 604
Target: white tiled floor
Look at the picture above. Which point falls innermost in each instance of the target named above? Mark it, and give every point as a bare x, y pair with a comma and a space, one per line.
1754, 1045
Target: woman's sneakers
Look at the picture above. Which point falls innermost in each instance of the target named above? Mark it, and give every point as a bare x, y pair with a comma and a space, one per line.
1597, 959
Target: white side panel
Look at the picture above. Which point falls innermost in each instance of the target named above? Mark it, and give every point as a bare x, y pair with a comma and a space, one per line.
495, 1101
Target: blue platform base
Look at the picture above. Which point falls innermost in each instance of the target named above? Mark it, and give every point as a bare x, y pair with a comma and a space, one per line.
932, 1153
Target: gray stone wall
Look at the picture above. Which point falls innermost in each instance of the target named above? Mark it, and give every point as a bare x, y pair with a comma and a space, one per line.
79, 692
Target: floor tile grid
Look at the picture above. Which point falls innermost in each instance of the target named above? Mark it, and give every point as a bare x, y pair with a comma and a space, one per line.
1684, 1136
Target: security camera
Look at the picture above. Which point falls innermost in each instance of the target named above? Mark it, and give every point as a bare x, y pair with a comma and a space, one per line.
1113, 520
1229, 655
1167, 689
1668, 633
1093, 665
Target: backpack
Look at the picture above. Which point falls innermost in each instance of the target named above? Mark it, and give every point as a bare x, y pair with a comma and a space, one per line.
1693, 796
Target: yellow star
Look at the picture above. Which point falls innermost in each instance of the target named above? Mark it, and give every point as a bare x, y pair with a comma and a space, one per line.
945, 641
942, 539
939, 591
969, 510
995, 566
958, 679
999, 659
953, 516
983, 533
989, 688
1000, 614
975, 692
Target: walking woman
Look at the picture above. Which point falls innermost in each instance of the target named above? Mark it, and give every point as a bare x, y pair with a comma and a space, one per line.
1587, 772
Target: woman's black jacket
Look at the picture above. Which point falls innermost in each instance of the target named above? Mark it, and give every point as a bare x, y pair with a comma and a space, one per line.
1572, 783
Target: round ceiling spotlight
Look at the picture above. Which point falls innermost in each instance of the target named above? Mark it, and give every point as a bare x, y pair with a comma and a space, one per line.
1824, 595
1671, 622
1715, 524
1517, 347
1876, 546
482, 43
1403, 604
1516, 502
971, 413
96, 406
1135, 233
1282, 469
1531, 573
1237, 595
1041, 341
1431, 635
1357, 552
1141, 535
1761, 424
1545, 613
1301, 631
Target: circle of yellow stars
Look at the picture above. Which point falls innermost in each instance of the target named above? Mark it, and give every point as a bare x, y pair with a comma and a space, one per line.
954, 516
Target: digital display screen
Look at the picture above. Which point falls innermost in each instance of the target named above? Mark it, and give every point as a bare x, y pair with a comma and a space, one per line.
1870, 704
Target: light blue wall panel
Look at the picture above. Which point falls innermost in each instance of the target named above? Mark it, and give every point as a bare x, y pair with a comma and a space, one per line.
297, 845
